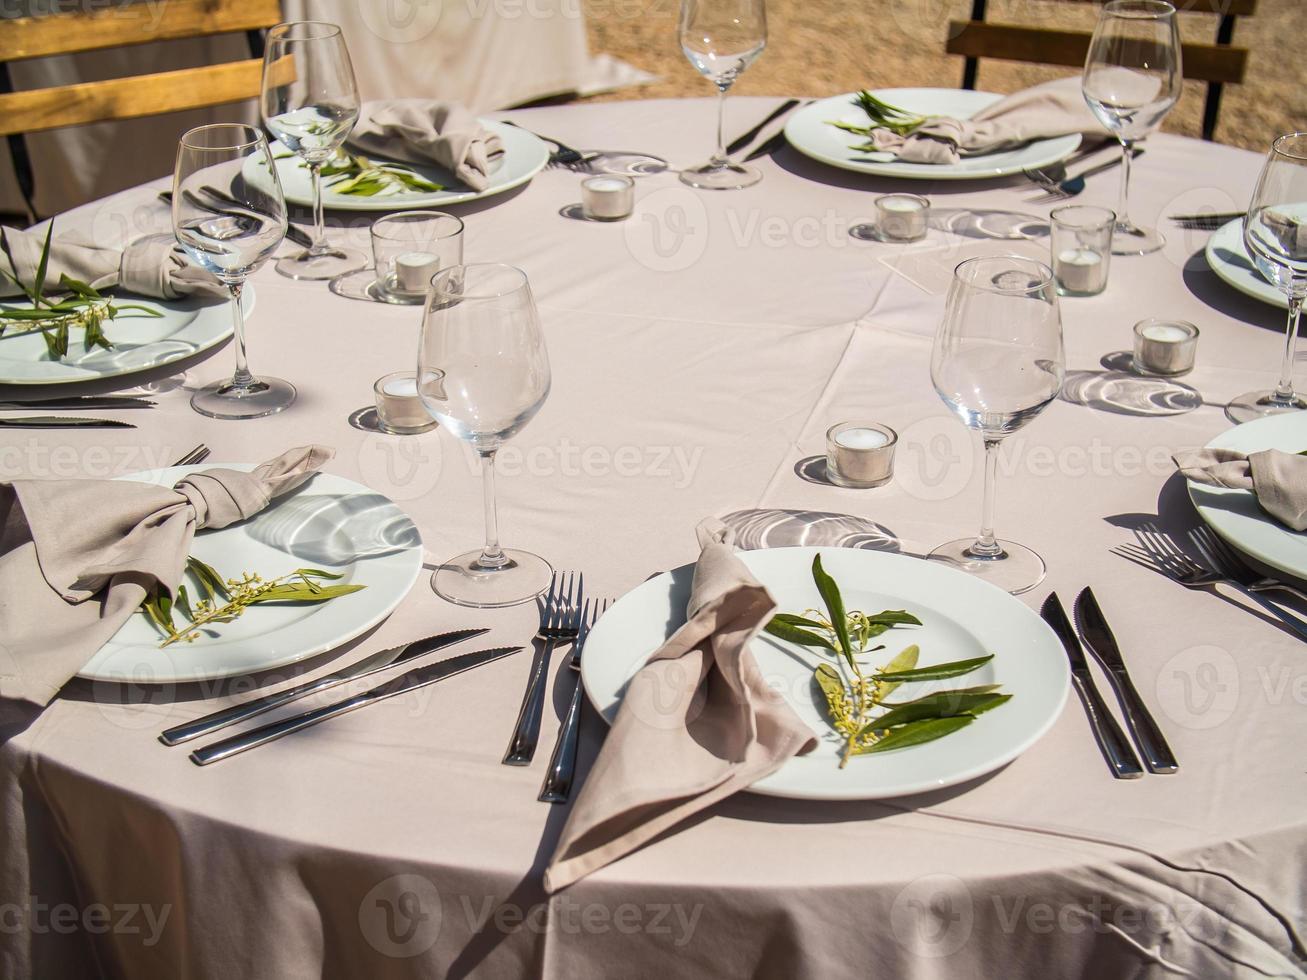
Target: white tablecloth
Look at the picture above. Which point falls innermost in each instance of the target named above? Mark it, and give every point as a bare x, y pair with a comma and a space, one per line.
700, 351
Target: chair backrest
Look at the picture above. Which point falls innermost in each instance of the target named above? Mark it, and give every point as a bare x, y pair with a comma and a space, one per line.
131, 97
1217, 64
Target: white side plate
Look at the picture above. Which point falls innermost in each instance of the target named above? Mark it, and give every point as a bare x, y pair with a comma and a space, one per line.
1229, 259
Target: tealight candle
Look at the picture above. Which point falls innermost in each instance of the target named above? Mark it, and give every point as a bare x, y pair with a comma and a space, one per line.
413, 271
399, 408
608, 197
1165, 347
860, 454
1081, 243
1080, 271
902, 217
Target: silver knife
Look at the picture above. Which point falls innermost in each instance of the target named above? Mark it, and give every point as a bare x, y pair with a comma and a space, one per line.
740, 142
87, 402
1120, 756
411, 681
1098, 637
62, 422
368, 665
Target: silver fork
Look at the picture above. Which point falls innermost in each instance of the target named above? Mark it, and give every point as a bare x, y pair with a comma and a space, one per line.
562, 764
1223, 558
197, 455
1160, 554
560, 621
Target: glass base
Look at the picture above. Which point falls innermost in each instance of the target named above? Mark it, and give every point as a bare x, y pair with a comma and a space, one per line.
1259, 404
322, 265
225, 400
1133, 240
721, 175
1015, 569
463, 580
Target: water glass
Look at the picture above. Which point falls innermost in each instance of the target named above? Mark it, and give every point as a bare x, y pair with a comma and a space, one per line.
1081, 244
409, 247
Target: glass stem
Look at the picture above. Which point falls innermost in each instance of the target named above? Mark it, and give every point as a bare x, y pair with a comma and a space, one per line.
1284, 390
492, 556
242, 378
720, 155
1123, 209
319, 245
985, 545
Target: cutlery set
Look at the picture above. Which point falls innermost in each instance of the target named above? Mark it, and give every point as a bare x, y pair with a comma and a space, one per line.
86, 403
1097, 636
1058, 186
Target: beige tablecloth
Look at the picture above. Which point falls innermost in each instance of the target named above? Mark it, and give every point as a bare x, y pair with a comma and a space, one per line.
700, 351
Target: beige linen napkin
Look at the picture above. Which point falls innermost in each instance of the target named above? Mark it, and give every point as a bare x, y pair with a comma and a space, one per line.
78, 556
1053, 109
698, 723
148, 266
422, 131
1278, 479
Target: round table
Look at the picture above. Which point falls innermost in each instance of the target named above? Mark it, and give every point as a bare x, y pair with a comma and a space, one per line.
700, 351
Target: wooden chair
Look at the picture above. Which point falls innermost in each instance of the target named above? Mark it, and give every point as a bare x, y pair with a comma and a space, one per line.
125, 98
1217, 64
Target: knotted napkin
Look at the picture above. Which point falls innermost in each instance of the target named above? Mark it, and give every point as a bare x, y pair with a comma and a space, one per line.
78, 556
1046, 111
149, 266
698, 722
1278, 479
422, 131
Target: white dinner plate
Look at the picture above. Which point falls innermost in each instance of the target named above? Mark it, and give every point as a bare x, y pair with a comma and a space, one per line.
187, 327
524, 156
809, 132
962, 618
328, 523
1230, 260
1235, 515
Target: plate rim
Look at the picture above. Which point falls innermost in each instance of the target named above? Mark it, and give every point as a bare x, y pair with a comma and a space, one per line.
224, 334
380, 204
352, 633
897, 169
762, 788
1262, 290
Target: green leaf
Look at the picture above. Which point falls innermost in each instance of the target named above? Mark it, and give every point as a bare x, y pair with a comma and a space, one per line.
778, 628
317, 573
906, 660
832, 686
77, 286
944, 704
936, 672
183, 602
38, 287
13, 277
137, 307
213, 584
830, 594
30, 315
917, 733
56, 341
894, 617
292, 592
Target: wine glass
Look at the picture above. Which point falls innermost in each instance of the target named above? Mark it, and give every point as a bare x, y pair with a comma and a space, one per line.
231, 241
483, 372
1275, 234
997, 362
722, 38
1131, 80
310, 102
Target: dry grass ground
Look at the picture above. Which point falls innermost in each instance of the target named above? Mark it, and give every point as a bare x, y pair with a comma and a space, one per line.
824, 47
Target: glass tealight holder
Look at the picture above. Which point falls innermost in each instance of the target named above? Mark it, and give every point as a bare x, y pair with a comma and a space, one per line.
1081, 244
1166, 348
607, 197
399, 408
409, 247
902, 217
860, 454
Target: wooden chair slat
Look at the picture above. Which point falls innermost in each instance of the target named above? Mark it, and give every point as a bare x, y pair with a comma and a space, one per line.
133, 23
129, 98
977, 39
1226, 8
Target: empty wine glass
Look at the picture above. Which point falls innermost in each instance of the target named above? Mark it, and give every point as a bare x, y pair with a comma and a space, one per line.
230, 240
1275, 234
483, 372
310, 103
722, 38
997, 362
1132, 78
